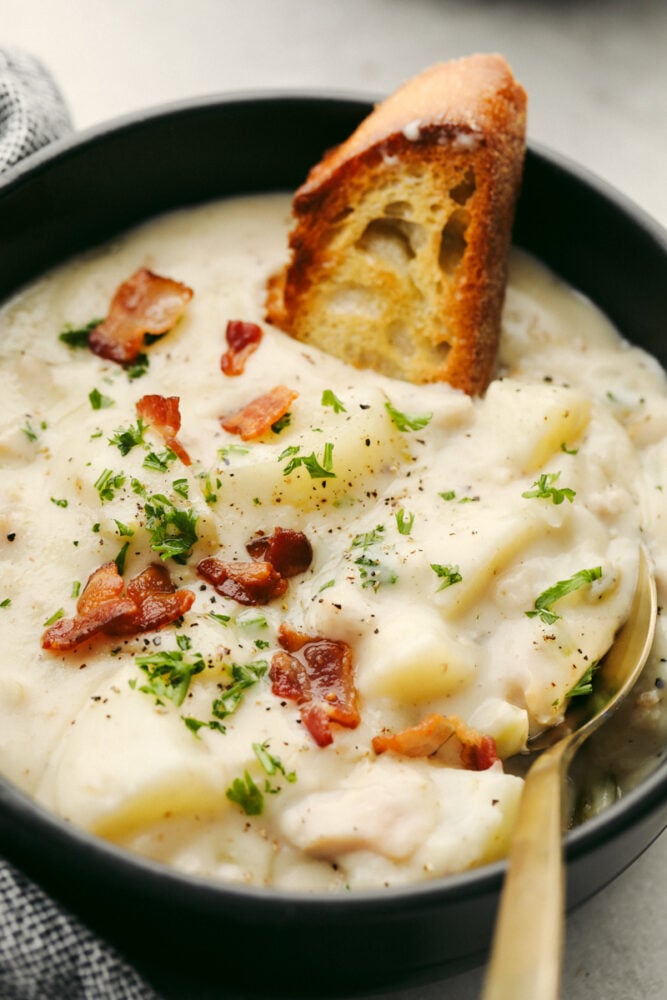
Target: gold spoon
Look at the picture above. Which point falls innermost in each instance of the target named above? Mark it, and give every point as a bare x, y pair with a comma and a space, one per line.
528, 941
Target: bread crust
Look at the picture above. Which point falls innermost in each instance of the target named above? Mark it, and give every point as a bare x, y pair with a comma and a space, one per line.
398, 254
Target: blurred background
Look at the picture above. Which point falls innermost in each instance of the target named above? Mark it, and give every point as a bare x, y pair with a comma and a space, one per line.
596, 75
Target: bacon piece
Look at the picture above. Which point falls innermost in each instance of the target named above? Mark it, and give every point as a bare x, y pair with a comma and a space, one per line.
150, 602
464, 746
145, 303
157, 602
320, 681
288, 551
164, 415
256, 417
243, 339
243, 582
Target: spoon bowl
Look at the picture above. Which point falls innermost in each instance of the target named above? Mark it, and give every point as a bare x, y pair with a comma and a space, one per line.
528, 941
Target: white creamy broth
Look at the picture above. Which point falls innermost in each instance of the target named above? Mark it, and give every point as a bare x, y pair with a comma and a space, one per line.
426, 558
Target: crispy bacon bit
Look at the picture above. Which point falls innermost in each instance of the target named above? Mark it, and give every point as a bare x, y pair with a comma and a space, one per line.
244, 582
145, 303
456, 743
288, 551
164, 415
243, 339
157, 602
150, 602
320, 681
257, 417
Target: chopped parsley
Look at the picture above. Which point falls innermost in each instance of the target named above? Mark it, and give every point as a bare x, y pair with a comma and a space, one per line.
159, 461
232, 449
243, 676
368, 538
245, 793
209, 488
584, 685
78, 336
56, 616
281, 423
316, 470
329, 398
544, 489
220, 619
139, 366
29, 432
404, 521
170, 672
60, 503
76, 588
448, 574
120, 558
271, 764
172, 529
128, 438
180, 486
107, 483
373, 573
544, 603
100, 402
124, 530
404, 422
569, 451
6, 603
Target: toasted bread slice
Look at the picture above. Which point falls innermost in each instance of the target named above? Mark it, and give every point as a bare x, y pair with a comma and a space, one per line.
399, 250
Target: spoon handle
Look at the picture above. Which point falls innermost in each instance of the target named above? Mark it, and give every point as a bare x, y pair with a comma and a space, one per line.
527, 947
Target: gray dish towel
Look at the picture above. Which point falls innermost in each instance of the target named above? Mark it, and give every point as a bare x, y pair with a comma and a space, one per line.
45, 954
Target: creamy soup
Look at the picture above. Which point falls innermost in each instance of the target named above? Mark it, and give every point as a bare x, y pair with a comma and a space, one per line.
467, 563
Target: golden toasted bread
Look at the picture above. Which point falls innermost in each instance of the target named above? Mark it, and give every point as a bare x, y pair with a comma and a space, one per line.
399, 249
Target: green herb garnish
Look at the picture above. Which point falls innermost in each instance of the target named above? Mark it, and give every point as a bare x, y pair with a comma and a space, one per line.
544, 602
60, 503
281, 423
56, 616
448, 574
544, 489
170, 672
245, 793
120, 558
404, 521
172, 529
584, 685
316, 470
128, 438
159, 461
329, 398
404, 422
98, 401
78, 336
243, 676
107, 483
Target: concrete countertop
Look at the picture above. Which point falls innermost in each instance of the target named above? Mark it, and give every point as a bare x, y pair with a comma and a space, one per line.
596, 73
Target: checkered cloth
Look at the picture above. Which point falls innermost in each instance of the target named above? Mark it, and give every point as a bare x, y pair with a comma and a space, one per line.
32, 110
45, 954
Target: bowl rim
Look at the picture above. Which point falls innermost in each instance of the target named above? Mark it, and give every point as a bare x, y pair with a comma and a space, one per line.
647, 798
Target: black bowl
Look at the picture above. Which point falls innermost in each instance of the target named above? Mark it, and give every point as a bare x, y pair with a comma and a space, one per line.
80, 192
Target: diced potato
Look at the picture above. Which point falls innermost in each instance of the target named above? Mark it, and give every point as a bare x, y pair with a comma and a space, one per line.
416, 659
506, 723
362, 449
482, 543
531, 422
126, 763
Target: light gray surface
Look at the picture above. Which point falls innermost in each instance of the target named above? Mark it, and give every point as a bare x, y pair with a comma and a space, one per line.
596, 74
